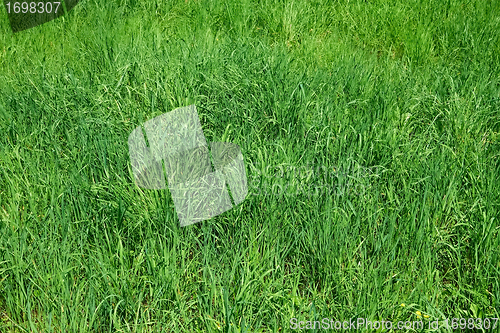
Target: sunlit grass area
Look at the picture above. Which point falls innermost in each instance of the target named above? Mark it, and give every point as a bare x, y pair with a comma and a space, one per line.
370, 136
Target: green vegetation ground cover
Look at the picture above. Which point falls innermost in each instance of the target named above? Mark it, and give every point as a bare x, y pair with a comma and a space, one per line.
409, 91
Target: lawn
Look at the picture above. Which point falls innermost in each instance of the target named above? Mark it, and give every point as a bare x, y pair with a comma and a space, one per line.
370, 132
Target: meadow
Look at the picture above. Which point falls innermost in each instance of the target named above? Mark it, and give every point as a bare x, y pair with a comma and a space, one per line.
396, 103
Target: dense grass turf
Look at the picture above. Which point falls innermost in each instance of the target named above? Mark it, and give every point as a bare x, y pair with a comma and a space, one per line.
393, 108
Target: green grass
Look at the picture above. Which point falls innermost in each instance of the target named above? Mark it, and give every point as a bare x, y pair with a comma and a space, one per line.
400, 100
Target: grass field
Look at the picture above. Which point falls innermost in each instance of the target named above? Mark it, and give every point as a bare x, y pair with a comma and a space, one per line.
393, 107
